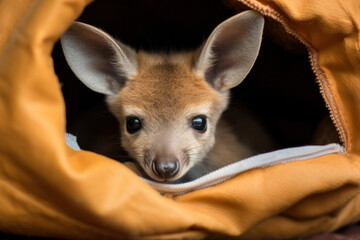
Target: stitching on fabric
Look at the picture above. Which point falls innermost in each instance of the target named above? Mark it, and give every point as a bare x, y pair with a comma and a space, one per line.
330, 99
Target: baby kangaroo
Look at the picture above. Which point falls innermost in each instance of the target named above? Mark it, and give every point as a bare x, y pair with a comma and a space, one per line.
167, 105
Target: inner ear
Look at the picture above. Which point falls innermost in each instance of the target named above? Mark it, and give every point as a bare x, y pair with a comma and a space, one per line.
98, 60
231, 50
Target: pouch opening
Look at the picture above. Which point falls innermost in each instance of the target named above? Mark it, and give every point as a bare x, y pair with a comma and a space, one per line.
281, 90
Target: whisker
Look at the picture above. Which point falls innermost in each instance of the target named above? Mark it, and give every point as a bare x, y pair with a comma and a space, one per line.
192, 148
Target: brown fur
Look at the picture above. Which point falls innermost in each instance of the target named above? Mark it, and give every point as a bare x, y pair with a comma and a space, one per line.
166, 83
165, 94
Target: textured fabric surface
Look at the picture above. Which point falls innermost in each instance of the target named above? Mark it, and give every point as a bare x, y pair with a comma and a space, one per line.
50, 190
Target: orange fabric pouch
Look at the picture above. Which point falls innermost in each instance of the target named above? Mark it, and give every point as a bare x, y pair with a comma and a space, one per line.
47, 189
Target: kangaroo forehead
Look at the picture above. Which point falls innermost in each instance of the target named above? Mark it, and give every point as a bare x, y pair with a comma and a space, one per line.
167, 87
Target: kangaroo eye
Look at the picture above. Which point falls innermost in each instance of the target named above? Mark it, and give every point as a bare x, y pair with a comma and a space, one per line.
133, 124
199, 123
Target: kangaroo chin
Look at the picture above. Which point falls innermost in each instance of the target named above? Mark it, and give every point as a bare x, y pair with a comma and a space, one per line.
167, 105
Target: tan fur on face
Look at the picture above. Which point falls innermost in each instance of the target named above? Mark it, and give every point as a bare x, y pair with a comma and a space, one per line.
166, 83
165, 95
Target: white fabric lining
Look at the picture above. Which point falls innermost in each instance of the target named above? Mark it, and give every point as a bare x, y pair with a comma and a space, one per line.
229, 171
71, 141
258, 161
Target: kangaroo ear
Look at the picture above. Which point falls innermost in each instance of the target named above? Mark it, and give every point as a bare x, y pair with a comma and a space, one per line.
98, 60
231, 50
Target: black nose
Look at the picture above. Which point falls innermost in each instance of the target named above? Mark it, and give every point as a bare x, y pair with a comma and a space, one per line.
165, 168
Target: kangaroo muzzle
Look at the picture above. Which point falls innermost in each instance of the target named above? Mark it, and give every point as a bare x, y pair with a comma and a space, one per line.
165, 168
